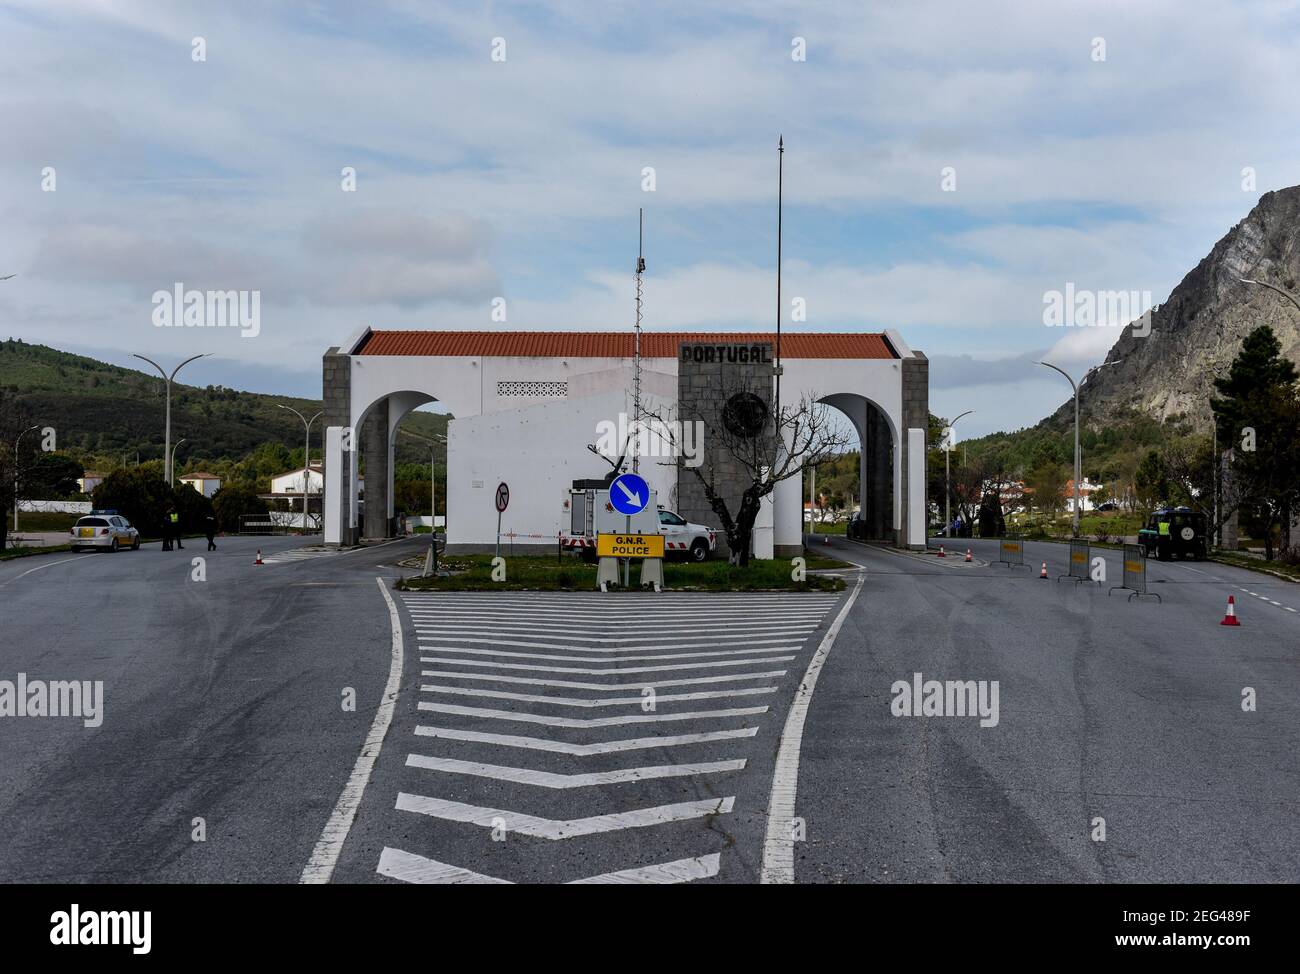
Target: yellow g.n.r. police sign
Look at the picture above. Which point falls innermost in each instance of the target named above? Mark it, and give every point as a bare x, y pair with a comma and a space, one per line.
630, 545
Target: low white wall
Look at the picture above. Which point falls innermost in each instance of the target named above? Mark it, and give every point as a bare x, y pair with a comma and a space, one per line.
55, 507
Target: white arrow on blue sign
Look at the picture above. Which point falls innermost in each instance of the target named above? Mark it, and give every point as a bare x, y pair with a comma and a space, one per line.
629, 494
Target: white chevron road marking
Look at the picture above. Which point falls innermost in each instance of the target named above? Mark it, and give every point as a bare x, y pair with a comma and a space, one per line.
594, 701
712, 644
598, 670
582, 685
549, 721
549, 779
556, 829
583, 750
595, 633
410, 868
609, 656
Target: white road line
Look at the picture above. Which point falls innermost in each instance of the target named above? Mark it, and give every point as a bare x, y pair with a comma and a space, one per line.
550, 721
549, 779
553, 829
681, 871
410, 868
595, 701
521, 644
593, 634
50, 564
609, 655
778, 847
325, 856
582, 685
598, 670
583, 750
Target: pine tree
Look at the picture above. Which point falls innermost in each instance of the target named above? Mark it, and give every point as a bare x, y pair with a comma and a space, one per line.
1258, 417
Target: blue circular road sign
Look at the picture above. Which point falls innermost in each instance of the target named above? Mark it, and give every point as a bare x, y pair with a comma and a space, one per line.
629, 494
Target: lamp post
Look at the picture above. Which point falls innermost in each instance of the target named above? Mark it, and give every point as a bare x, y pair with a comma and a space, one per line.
174, 449
306, 457
1077, 455
947, 490
17, 440
433, 506
167, 435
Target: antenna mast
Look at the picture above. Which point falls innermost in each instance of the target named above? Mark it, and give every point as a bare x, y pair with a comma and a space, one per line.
636, 370
780, 182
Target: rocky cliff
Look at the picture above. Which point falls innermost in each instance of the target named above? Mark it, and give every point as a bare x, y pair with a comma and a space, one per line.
1196, 333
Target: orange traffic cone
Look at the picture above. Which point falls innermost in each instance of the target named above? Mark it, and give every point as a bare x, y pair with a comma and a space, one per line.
968, 558
1043, 573
1231, 618
941, 552
259, 557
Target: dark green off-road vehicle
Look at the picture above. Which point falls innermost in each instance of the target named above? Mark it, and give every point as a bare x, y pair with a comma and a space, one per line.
1176, 532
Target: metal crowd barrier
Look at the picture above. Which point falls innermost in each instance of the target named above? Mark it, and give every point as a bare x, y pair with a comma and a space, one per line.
1011, 552
1080, 557
1135, 574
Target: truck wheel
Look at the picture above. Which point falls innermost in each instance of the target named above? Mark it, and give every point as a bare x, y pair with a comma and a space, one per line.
699, 550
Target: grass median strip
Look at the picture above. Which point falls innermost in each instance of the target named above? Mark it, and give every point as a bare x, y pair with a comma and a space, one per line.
472, 573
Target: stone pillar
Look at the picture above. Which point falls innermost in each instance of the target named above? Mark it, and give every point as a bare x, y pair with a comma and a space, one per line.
374, 451
336, 385
916, 416
707, 377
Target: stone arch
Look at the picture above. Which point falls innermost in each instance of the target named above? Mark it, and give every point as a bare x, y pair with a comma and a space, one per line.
879, 462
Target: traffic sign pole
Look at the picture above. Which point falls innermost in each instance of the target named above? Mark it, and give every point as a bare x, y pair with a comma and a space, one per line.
502, 502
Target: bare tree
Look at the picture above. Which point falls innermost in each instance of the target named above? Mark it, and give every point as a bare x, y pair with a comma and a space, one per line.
765, 449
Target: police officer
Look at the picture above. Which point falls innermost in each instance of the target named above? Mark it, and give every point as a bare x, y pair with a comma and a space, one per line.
210, 529
174, 523
167, 529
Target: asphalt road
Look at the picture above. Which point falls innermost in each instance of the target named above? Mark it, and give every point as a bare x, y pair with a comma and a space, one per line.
521, 746
1127, 711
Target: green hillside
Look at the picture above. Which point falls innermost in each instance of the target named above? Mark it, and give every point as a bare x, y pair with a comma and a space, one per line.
104, 413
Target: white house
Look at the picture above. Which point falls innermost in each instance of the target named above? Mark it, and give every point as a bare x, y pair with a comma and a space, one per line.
90, 481
206, 484
289, 483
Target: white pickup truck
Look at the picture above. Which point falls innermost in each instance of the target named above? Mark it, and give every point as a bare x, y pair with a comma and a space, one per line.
589, 513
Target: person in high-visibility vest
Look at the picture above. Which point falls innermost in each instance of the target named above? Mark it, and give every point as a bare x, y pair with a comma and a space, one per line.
167, 530
174, 524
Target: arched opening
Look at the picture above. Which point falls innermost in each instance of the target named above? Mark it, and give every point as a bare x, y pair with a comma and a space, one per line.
874, 492
379, 429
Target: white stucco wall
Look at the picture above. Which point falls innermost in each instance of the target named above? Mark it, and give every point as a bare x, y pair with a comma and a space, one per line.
538, 445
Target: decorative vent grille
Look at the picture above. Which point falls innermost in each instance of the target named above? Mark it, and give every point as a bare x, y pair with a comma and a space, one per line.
524, 389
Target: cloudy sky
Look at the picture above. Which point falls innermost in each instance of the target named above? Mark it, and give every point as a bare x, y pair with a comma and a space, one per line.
520, 178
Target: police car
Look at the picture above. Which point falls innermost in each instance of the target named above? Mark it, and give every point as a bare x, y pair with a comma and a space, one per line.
1175, 532
682, 537
104, 530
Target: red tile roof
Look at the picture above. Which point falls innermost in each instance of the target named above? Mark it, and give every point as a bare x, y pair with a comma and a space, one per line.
613, 344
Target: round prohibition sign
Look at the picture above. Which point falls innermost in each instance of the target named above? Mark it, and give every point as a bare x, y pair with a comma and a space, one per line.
503, 497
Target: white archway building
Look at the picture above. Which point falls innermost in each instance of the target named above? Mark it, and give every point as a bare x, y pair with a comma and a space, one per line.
526, 404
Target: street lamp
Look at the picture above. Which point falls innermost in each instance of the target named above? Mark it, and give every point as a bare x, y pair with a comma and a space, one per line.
432, 562
947, 491
1273, 287
174, 449
16, 442
1077, 456
167, 436
306, 457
